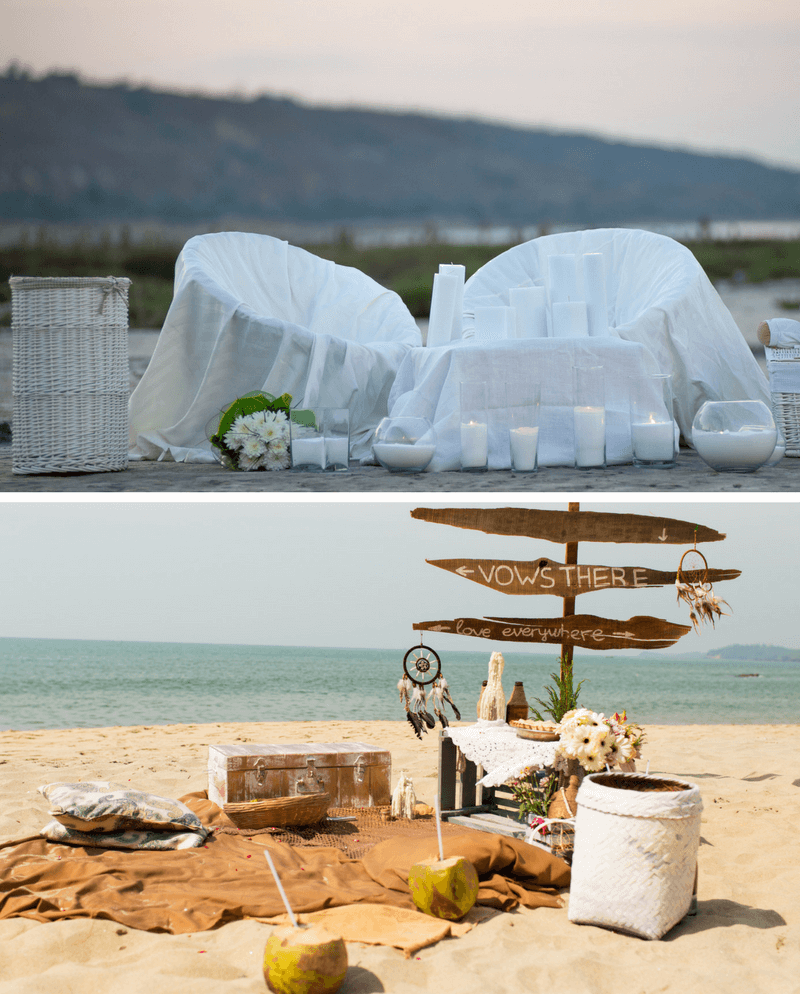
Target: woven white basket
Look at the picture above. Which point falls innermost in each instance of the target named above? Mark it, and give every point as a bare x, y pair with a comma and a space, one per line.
785, 406
70, 374
635, 855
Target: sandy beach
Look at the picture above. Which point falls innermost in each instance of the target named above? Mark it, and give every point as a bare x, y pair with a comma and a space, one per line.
745, 937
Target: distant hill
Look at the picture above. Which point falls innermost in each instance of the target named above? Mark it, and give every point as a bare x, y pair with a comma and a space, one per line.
74, 152
745, 653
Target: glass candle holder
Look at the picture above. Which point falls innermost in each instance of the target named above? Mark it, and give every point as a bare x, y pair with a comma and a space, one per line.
308, 440
734, 436
589, 417
336, 427
404, 444
652, 422
522, 403
474, 427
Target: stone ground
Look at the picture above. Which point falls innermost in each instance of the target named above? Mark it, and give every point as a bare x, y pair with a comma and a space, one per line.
749, 305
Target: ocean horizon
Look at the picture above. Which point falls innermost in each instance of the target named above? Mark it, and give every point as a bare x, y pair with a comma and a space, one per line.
74, 683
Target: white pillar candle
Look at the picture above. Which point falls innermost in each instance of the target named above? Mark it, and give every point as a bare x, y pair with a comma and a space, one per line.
594, 290
735, 448
569, 319
460, 273
530, 306
653, 441
523, 448
474, 444
443, 303
398, 455
308, 452
494, 323
562, 278
337, 450
590, 436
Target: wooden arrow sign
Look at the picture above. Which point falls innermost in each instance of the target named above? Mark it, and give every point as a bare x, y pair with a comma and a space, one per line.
570, 526
544, 576
582, 630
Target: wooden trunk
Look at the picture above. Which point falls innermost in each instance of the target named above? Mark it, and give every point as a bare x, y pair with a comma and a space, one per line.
353, 773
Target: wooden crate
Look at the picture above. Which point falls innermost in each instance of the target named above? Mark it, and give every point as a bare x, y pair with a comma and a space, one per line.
463, 802
353, 773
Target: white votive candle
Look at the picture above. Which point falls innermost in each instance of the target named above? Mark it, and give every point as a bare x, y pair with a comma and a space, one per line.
653, 441
590, 436
337, 451
523, 448
474, 444
570, 320
308, 452
397, 455
746, 449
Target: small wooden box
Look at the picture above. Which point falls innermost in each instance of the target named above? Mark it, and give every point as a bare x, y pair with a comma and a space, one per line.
355, 774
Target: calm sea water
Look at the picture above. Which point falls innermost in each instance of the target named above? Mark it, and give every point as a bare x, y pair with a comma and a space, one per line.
50, 683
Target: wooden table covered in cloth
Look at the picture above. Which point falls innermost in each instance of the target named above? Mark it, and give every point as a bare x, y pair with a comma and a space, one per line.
427, 385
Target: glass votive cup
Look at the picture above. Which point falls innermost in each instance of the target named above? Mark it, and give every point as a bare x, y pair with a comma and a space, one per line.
474, 427
336, 427
404, 444
307, 445
589, 417
652, 422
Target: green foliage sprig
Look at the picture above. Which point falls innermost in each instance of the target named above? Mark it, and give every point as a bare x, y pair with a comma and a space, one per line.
562, 696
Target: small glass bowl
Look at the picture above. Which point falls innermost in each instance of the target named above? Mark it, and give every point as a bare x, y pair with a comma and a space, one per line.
734, 436
404, 444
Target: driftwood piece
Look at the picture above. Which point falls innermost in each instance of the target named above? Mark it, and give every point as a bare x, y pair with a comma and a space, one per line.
546, 576
569, 526
585, 631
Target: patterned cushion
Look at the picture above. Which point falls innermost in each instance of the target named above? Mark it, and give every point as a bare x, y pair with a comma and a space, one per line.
56, 832
100, 806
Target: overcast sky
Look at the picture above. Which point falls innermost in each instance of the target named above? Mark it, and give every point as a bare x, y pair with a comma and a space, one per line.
348, 573
713, 75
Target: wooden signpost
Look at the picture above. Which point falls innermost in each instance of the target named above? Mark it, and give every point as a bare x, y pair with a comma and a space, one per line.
568, 579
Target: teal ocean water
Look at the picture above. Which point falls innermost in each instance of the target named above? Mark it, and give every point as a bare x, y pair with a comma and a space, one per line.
50, 683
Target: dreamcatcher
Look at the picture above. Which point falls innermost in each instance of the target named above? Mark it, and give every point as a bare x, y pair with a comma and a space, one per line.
422, 668
693, 587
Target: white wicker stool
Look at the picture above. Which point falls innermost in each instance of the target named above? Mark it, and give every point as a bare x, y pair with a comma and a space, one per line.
70, 374
783, 366
635, 859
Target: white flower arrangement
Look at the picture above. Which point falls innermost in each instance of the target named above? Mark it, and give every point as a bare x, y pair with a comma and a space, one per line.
259, 441
597, 741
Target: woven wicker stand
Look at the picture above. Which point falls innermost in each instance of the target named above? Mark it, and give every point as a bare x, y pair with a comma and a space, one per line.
785, 406
70, 374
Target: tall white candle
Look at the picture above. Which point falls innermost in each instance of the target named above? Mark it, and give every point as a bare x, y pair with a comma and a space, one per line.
460, 273
530, 305
653, 441
474, 445
594, 289
494, 323
569, 319
398, 455
590, 436
443, 304
562, 278
308, 452
523, 448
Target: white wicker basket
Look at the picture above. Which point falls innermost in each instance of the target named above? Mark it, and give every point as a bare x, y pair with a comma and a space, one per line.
635, 858
785, 406
70, 374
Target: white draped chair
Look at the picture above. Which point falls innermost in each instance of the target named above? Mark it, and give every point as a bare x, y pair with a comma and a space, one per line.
251, 312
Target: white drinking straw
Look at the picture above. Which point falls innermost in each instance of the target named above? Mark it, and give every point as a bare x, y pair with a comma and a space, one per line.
281, 891
439, 824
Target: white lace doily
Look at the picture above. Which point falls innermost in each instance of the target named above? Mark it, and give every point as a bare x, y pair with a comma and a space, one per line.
496, 747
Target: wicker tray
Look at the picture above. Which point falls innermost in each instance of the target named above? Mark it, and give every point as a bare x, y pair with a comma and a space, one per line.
279, 812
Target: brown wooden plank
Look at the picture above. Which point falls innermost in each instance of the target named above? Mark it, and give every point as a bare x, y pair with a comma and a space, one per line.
566, 526
546, 576
585, 631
